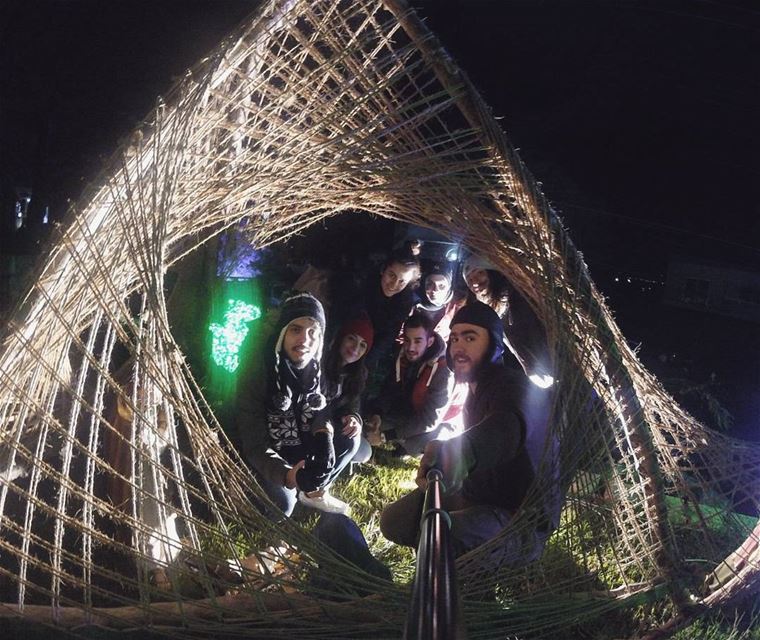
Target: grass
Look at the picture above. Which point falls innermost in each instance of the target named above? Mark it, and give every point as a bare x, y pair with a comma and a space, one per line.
386, 478
741, 623
578, 563
368, 490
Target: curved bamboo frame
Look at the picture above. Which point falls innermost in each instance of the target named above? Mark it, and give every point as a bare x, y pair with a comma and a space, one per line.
307, 110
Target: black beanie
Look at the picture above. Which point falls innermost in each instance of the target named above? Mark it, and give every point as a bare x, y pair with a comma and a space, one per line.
481, 315
299, 306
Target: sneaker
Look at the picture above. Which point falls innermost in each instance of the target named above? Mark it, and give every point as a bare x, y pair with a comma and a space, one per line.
323, 501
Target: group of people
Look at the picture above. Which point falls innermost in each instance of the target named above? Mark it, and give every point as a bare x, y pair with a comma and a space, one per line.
423, 367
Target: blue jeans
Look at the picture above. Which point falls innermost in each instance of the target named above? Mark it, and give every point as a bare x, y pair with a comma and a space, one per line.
344, 537
285, 499
364, 451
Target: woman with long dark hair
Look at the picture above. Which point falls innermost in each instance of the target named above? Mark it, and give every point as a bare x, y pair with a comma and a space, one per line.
344, 376
524, 333
487, 285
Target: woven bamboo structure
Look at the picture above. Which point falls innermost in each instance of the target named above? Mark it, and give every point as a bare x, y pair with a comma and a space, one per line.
311, 108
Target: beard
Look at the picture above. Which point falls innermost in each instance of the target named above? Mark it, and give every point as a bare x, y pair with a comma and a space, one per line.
468, 375
465, 376
299, 360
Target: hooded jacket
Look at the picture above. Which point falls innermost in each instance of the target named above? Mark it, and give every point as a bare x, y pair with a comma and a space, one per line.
274, 436
415, 395
440, 317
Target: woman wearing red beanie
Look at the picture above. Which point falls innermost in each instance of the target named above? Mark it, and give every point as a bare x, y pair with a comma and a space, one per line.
344, 376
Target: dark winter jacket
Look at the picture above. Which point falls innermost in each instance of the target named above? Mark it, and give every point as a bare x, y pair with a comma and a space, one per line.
340, 402
493, 463
273, 439
415, 395
387, 316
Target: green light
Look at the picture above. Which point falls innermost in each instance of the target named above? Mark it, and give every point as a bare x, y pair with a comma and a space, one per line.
227, 338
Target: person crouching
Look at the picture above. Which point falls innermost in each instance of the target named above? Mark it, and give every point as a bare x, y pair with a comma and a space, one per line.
487, 470
416, 394
283, 424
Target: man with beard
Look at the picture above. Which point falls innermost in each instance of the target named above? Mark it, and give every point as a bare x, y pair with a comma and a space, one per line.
415, 393
283, 424
487, 470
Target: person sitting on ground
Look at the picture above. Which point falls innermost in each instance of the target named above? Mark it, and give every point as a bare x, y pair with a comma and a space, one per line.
524, 332
416, 394
440, 301
487, 470
285, 431
344, 376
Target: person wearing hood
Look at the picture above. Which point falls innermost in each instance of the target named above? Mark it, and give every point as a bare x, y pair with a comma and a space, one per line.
489, 469
416, 393
440, 301
284, 423
524, 333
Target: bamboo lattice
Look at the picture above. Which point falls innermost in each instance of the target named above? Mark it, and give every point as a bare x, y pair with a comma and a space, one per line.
309, 109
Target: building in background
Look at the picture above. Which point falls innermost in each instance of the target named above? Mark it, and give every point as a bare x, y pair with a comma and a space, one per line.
723, 290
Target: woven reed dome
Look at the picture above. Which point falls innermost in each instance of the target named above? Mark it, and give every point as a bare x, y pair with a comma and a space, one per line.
113, 465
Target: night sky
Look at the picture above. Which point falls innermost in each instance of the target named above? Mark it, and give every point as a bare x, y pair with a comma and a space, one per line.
641, 119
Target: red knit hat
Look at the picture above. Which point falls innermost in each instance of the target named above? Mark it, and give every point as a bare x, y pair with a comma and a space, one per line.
361, 326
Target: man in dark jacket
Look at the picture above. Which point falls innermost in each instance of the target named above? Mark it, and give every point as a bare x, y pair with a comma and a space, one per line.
416, 393
487, 470
283, 423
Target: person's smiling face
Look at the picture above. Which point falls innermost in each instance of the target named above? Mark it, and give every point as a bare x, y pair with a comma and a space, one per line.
352, 348
301, 340
478, 282
395, 278
416, 342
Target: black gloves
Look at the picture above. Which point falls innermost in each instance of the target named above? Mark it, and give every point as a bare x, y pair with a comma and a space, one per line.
319, 463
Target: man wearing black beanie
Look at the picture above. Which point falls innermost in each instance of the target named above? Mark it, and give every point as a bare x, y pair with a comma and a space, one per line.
487, 470
282, 420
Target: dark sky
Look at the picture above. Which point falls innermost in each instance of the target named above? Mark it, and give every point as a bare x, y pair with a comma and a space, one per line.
640, 118
636, 116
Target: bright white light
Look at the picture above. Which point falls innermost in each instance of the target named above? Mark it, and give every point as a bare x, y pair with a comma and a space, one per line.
543, 381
